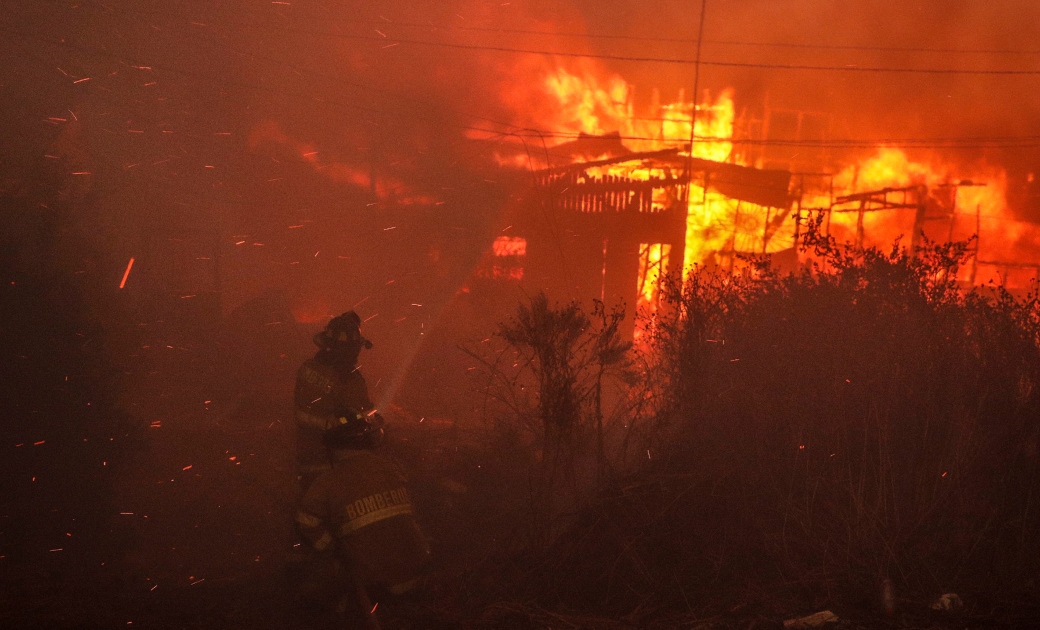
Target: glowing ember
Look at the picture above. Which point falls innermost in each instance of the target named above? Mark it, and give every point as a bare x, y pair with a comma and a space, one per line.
126, 274
509, 246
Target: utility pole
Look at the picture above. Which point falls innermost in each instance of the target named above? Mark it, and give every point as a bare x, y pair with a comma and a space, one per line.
693, 128
978, 230
919, 217
859, 224
697, 79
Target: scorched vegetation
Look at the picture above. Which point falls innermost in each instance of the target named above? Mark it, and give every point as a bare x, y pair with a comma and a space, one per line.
785, 443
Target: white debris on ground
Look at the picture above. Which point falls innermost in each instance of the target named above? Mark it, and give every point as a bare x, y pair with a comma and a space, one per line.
816, 620
948, 602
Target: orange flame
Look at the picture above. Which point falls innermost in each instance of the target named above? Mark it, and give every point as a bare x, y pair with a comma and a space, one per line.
970, 207
583, 98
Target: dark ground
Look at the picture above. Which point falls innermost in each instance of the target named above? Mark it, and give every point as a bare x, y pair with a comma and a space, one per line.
191, 528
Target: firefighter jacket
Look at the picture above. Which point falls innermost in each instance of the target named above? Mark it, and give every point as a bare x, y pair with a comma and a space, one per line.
321, 388
361, 509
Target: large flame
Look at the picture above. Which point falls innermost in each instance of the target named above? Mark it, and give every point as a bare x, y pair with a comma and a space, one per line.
973, 206
585, 104
585, 99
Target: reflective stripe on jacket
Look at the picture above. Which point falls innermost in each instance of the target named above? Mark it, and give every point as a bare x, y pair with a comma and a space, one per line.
363, 503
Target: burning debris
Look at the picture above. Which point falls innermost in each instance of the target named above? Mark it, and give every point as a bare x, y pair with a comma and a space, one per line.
727, 205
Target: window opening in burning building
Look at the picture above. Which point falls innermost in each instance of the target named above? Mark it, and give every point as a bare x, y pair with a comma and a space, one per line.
653, 265
507, 260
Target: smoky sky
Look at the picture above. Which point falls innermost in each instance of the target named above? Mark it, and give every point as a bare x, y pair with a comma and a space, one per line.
463, 82
878, 34
881, 104
341, 75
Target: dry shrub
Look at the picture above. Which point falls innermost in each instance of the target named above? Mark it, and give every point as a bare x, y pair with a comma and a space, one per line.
557, 377
862, 420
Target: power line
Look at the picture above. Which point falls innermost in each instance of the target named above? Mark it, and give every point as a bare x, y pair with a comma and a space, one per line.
222, 81
665, 60
721, 42
415, 101
255, 87
918, 143
677, 40
696, 87
393, 41
315, 73
488, 143
977, 142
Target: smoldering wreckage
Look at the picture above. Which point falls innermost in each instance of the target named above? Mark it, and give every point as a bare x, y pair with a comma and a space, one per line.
767, 361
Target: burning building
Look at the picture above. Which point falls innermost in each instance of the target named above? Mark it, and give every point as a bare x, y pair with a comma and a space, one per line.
612, 228
623, 201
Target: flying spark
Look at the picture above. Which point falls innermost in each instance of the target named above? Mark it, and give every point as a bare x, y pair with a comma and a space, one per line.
126, 274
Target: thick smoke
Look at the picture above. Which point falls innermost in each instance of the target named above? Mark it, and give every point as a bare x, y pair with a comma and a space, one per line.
192, 188
878, 105
882, 102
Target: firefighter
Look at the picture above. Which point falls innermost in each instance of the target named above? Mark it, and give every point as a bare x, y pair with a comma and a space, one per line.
360, 512
329, 381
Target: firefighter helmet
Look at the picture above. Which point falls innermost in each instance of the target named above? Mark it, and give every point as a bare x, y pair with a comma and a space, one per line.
342, 331
354, 429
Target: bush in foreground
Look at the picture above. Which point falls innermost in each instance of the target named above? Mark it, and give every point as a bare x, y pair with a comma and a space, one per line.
817, 434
